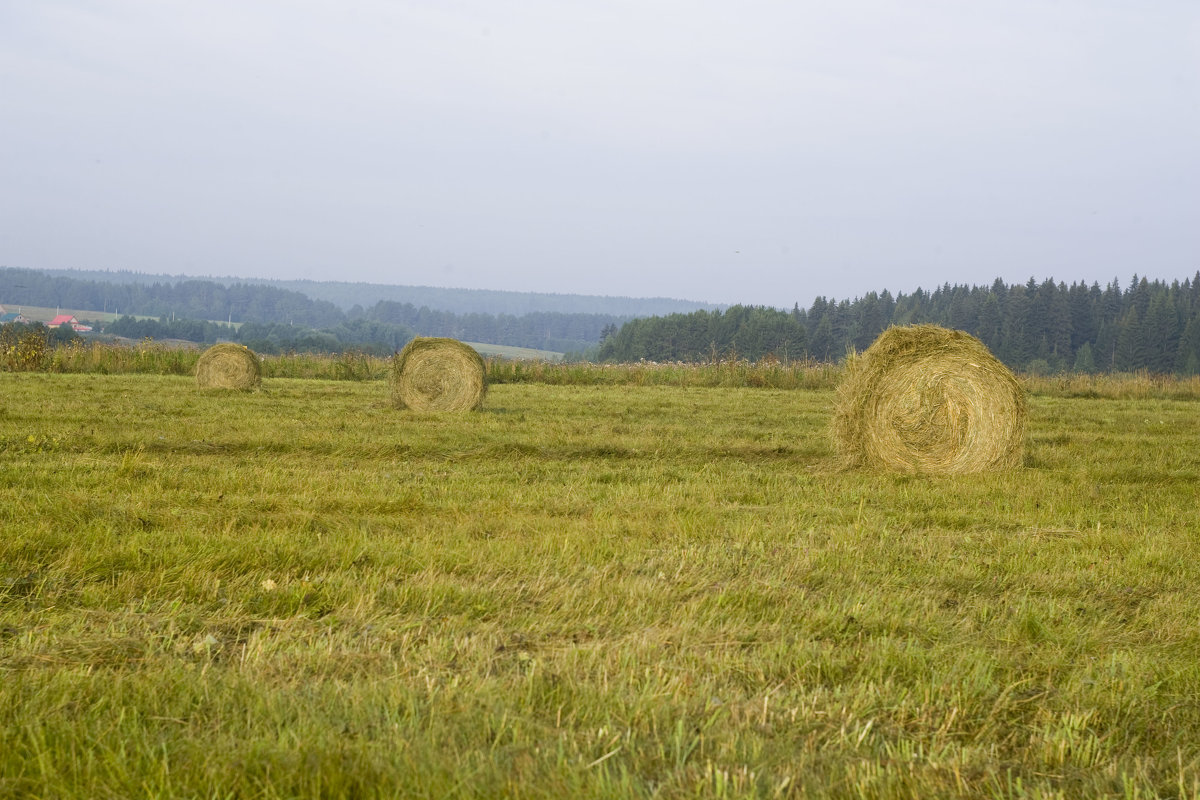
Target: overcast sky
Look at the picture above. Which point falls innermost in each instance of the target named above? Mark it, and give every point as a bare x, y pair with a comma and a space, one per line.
757, 152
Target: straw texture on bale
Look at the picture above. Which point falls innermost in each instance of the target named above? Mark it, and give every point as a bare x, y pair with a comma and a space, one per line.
438, 374
923, 398
228, 366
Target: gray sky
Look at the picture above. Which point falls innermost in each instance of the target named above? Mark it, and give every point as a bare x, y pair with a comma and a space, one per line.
758, 152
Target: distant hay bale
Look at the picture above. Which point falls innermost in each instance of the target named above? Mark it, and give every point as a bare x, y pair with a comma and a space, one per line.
927, 399
437, 374
228, 366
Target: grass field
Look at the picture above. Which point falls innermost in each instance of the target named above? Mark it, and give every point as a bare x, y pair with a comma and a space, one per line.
583, 591
505, 351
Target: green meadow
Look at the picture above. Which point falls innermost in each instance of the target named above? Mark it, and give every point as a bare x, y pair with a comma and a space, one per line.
643, 588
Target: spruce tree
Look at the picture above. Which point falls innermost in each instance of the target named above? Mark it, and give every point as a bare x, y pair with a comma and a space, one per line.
1085, 361
1131, 337
1187, 358
988, 327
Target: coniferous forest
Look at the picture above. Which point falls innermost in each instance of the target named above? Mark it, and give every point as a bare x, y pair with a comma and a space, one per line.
1036, 327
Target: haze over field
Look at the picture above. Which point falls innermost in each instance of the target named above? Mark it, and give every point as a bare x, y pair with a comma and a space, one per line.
764, 153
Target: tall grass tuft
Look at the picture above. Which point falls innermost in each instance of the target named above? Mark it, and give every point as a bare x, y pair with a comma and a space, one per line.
145, 358
1141, 385
768, 373
25, 351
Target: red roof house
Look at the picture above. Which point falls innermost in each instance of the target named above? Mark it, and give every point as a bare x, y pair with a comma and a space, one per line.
67, 319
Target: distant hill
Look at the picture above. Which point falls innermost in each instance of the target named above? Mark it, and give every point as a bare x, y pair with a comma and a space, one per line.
346, 295
190, 308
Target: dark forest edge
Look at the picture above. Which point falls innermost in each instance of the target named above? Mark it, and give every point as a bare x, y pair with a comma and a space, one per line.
1039, 328
1044, 328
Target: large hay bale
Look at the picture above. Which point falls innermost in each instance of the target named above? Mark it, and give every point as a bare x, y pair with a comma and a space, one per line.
438, 374
228, 366
927, 399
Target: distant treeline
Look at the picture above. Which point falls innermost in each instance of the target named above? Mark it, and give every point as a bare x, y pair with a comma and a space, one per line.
368, 336
199, 300
346, 295
541, 330
271, 338
383, 329
1035, 327
750, 332
279, 320
191, 330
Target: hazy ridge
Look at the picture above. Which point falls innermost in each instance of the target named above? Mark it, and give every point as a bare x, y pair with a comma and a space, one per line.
347, 294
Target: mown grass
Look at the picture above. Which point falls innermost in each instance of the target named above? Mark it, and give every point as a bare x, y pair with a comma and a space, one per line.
583, 591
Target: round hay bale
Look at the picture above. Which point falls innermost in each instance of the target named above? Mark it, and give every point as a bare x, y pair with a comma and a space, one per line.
228, 366
923, 398
438, 374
